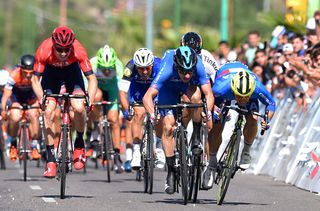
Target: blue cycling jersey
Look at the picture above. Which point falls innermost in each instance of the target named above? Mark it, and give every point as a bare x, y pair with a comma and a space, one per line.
170, 77
222, 87
138, 86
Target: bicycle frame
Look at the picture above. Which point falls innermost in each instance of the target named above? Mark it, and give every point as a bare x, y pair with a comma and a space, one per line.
228, 162
23, 133
64, 154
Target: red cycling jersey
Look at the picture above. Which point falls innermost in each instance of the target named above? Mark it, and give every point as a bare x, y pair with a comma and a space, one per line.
45, 55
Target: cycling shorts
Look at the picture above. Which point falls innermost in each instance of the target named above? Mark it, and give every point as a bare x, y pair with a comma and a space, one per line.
69, 76
112, 96
23, 96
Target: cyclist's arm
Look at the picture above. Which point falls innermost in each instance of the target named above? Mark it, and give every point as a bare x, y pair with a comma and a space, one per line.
92, 87
123, 97
36, 86
148, 99
207, 91
6, 95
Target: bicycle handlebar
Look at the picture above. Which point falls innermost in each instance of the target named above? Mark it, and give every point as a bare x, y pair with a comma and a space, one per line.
180, 106
245, 111
105, 103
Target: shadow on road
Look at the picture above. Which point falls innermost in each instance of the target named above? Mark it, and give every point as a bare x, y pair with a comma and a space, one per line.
142, 192
66, 197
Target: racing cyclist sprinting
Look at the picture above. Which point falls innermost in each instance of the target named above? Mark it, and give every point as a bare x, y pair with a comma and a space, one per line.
180, 72
138, 75
234, 81
109, 70
60, 61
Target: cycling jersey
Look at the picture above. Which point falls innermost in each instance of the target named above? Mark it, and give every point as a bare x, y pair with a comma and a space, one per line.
45, 55
168, 81
222, 88
21, 88
210, 64
57, 73
133, 82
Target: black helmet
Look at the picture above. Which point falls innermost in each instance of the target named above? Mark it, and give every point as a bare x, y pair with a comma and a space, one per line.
193, 40
185, 58
27, 62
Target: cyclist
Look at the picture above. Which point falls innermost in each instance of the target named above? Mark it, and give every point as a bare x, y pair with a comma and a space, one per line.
19, 91
234, 81
109, 70
180, 72
138, 75
60, 60
194, 41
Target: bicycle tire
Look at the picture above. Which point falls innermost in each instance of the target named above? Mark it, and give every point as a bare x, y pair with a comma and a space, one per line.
63, 164
150, 158
145, 170
195, 179
25, 152
183, 165
106, 147
229, 168
2, 147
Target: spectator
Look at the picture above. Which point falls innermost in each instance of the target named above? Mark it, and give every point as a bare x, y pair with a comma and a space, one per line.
225, 53
254, 43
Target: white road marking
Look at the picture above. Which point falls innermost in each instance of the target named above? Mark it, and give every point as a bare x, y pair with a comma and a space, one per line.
48, 200
35, 187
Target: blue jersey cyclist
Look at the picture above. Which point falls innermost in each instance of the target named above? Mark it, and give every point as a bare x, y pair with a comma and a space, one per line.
181, 72
234, 81
138, 75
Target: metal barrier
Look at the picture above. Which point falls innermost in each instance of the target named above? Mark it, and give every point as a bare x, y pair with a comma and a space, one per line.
290, 151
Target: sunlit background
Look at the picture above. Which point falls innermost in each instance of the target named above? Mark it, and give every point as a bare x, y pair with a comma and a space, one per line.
157, 24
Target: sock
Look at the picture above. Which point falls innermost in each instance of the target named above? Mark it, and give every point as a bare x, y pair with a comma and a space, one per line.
14, 142
246, 147
50, 151
170, 163
129, 153
213, 160
196, 129
79, 143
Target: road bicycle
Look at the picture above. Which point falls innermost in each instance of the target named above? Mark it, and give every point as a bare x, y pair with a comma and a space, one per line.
228, 162
107, 151
147, 151
64, 151
23, 147
183, 154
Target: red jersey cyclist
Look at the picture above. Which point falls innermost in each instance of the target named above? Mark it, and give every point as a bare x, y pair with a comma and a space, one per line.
61, 60
19, 91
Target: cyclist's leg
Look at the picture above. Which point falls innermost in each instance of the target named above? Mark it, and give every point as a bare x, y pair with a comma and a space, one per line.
194, 94
137, 133
14, 117
249, 133
129, 145
34, 128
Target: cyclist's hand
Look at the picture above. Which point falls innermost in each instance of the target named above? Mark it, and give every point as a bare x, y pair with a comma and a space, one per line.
90, 108
4, 115
126, 115
206, 118
265, 125
154, 119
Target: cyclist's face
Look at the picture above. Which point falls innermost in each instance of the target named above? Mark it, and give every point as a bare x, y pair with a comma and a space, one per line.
62, 53
242, 101
145, 72
27, 73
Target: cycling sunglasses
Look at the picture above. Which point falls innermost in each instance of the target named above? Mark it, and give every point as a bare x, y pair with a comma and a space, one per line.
61, 49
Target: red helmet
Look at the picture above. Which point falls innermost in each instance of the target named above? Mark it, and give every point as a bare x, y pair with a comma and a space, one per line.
63, 36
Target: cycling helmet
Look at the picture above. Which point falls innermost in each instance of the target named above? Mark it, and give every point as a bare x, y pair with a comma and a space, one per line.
27, 62
106, 57
185, 58
143, 57
63, 36
243, 84
193, 40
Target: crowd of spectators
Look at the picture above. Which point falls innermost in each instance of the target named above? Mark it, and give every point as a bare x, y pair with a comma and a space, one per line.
289, 62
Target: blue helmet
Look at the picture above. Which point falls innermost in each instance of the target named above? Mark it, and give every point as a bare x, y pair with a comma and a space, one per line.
185, 58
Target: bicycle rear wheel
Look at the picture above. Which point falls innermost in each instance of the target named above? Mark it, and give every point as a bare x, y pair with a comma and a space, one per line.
106, 155
63, 164
183, 165
195, 177
227, 165
24, 139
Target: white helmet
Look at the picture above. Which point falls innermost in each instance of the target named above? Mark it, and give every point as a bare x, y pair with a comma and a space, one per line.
143, 57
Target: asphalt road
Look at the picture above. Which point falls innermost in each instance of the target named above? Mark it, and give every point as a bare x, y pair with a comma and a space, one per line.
90, 191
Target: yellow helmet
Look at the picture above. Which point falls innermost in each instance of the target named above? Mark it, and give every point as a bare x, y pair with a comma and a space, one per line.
243, 84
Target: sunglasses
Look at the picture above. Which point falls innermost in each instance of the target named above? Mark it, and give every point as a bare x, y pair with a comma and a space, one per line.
61, 50
184, 71
148, 68
106, 68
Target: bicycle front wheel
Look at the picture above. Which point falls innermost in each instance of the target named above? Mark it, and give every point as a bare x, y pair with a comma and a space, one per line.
182, 139
63, 164
149, 162
106, 154
228, 165
24, 139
